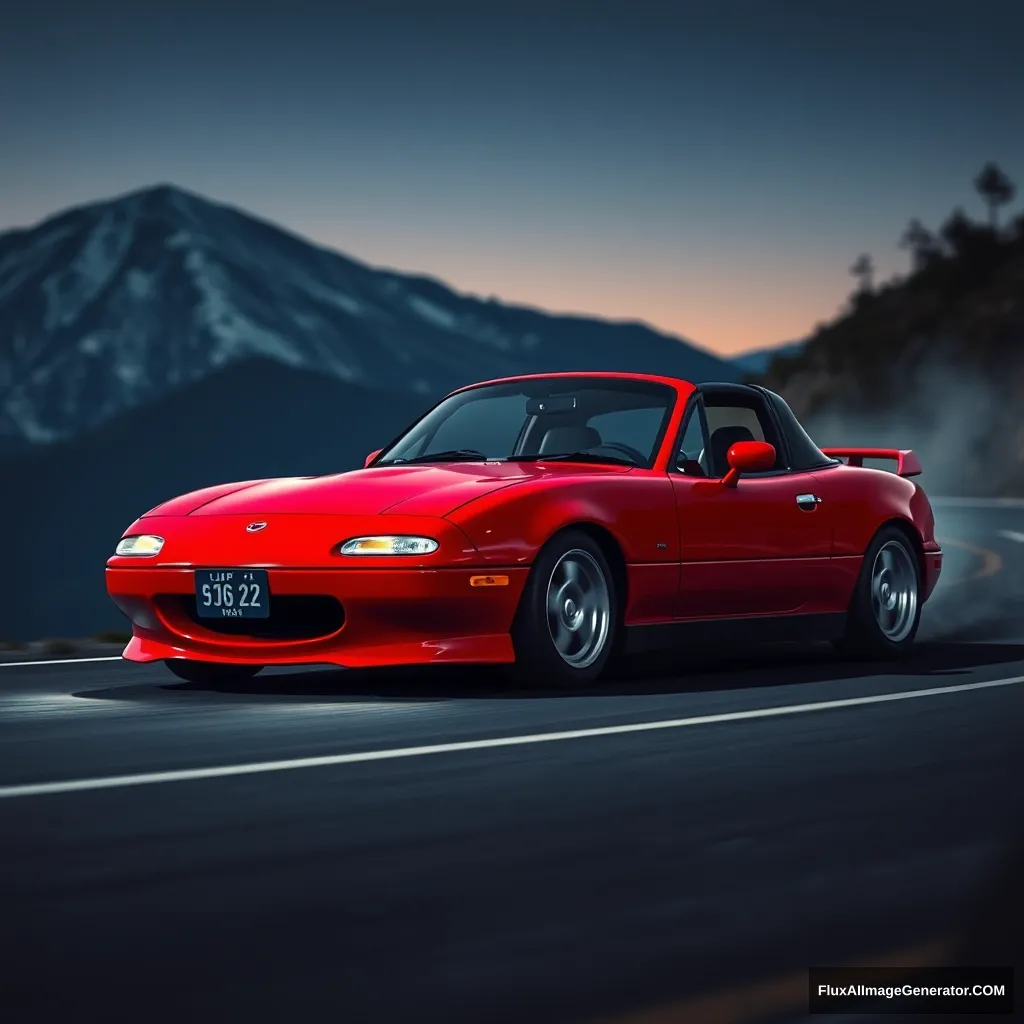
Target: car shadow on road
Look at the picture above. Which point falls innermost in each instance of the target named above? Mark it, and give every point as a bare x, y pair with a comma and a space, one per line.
679, 672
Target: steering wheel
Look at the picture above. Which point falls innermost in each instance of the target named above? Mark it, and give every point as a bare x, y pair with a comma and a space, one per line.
630, 452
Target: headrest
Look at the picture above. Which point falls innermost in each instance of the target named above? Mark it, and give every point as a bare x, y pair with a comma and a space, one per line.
569, 439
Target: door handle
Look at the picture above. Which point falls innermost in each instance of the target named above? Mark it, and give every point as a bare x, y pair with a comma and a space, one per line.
808, 502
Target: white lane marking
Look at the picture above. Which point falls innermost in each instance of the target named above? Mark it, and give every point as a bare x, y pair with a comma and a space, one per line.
259, 767
978, 502
58, 661
1012, 535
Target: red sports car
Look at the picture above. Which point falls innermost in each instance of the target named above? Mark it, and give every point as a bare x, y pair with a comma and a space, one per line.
546, 523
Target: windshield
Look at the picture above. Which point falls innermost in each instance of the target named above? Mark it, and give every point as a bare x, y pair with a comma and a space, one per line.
595, 419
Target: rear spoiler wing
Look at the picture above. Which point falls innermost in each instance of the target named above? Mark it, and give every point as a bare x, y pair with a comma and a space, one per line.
907, 463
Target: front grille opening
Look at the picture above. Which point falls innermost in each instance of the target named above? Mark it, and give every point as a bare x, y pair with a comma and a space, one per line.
292, 617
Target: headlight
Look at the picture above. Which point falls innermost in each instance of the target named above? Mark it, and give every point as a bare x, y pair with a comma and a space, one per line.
389, 546
146, 544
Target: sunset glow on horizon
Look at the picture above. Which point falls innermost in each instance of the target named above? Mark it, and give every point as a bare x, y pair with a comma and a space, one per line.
693, 299
711, 170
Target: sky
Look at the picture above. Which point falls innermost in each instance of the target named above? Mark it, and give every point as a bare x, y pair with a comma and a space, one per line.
710, 168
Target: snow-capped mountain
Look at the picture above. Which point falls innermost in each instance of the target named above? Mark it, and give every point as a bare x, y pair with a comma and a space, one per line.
110, 306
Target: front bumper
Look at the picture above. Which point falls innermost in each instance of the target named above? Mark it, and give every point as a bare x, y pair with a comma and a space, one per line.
390, 617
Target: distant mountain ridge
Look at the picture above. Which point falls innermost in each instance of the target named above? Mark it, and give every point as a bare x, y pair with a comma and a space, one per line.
110, 306
757, 361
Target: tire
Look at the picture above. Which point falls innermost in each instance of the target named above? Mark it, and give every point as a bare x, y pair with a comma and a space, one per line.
209, 673
568, 616
885, 610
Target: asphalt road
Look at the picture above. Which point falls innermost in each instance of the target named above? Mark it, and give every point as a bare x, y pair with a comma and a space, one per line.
689, 871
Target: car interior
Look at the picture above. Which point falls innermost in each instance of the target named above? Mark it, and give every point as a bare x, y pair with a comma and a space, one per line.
616, 421
604, 421
575, 437
731, 416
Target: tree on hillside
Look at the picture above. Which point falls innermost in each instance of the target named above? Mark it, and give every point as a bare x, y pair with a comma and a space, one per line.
958, 231
923, 245
975, 249
864, 270
995, 188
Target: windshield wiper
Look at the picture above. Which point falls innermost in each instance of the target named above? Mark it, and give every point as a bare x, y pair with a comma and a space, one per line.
452, 455
575, 457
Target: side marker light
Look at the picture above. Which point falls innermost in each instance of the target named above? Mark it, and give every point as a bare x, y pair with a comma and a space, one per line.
488, 581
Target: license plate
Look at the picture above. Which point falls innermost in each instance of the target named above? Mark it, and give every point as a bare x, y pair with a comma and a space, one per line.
232, 594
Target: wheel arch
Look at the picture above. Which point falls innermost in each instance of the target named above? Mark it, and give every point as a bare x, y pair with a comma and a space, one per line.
907, 528
610, 548
535, 658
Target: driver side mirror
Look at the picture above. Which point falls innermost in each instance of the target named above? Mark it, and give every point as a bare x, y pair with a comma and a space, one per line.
748, 457
371, 457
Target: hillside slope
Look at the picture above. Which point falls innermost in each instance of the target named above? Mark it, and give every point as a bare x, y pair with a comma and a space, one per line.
935, 361
68, 503
758, 360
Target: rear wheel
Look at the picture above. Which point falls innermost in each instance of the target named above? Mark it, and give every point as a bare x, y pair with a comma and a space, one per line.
209, 672
886, 608
567, 618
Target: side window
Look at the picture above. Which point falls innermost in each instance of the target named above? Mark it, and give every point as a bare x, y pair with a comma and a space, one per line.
733, 416
728, 424
691, 458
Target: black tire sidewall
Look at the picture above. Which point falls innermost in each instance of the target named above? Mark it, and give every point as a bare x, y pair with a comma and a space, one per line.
864, 636
538, 662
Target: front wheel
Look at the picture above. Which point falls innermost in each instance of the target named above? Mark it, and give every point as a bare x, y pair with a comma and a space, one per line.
568, 614
886, 607
209, 673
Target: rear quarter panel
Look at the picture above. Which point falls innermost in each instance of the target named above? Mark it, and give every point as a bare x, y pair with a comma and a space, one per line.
864, 499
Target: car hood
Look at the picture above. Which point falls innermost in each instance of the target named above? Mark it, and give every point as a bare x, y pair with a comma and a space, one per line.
429, 490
